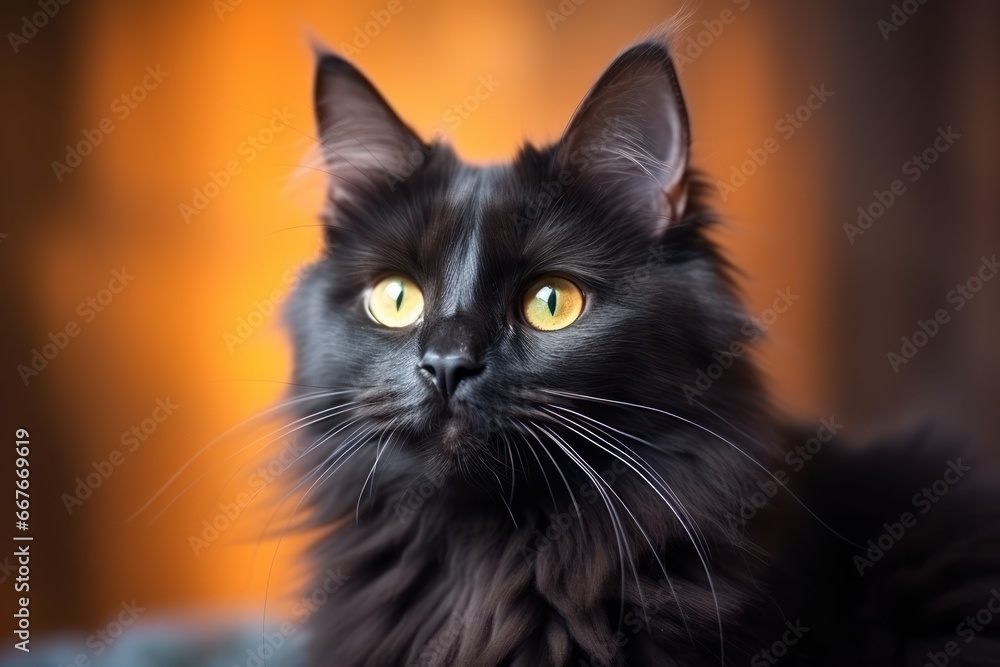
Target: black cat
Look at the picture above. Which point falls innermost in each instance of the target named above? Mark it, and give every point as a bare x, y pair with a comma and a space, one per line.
536, 437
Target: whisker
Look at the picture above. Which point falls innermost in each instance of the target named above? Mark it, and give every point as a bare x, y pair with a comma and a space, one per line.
329, 434
334, 456
698, 551
504, 500
713, 433
388, 452
259, 450
576, 506
347, 443
640, 461
378, 455
545, 475
316, 444
513, 474
277, 548
620, 537
248, 420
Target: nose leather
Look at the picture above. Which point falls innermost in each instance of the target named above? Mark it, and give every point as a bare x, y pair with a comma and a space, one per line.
451, 356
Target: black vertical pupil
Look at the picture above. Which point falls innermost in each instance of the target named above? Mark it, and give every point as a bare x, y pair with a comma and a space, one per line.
552, 301
399, 297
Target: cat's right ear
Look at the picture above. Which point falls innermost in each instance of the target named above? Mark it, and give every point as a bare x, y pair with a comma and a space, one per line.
629, 139
362, 139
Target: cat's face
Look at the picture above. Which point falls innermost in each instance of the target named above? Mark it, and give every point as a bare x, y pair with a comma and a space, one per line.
454, 300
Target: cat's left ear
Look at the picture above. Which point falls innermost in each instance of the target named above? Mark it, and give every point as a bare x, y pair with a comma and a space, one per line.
362, 138
630, 136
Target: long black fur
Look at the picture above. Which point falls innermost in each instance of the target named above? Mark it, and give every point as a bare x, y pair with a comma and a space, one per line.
469, 536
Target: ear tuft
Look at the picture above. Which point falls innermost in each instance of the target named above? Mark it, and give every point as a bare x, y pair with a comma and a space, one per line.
630, 135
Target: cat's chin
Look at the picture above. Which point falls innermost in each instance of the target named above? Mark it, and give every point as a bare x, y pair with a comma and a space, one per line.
455, 436
453, 433
458, 436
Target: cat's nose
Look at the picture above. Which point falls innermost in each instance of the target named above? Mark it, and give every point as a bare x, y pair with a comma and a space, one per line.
448, 360
448, 368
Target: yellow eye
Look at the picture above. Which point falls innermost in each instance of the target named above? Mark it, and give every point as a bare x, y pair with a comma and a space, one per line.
396, 301
552, 303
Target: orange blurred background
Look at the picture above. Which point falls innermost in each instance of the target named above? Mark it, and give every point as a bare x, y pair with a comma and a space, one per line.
194, 326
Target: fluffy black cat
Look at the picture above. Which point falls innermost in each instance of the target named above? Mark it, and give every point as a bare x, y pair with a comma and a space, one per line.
519, 454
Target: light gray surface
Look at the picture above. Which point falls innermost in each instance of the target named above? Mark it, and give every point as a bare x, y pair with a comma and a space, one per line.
164, 646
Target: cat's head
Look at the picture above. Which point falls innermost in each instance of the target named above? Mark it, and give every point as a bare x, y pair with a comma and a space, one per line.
491, 319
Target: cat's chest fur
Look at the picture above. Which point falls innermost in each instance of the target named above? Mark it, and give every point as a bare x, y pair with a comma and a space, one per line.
446, 585
449, 586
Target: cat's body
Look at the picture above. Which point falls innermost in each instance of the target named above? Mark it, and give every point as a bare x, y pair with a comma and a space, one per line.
925, 518
501, 490
464, 595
